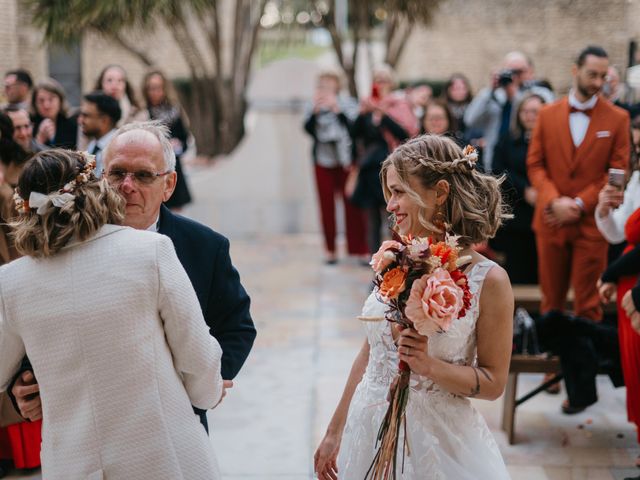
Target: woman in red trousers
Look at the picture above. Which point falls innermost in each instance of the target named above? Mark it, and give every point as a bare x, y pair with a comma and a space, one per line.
329, 121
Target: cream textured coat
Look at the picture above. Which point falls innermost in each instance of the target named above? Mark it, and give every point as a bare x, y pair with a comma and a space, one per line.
118, 344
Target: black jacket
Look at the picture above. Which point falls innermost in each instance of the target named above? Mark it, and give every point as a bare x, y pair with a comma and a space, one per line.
369, 151
510, 159
204, 254
66, 131
627, 264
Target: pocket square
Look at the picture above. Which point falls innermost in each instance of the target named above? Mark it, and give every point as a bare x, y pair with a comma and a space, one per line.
603, 134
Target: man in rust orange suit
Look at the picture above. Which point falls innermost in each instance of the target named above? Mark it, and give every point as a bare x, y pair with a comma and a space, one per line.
575, 141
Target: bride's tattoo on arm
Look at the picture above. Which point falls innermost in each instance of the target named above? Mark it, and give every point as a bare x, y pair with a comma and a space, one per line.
476, 390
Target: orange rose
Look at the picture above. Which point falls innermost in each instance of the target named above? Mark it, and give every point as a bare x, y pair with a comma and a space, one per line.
393, 283
448, 256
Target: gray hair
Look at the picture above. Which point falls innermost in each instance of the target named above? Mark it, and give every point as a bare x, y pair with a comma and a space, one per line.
156, 128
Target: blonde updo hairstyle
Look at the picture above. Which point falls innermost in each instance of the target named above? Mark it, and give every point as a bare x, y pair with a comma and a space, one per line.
474, 208
95, 204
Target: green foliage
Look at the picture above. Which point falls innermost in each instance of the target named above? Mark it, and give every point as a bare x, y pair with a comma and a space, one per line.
66, 21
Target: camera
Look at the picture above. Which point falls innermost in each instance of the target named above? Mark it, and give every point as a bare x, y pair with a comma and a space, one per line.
505, 77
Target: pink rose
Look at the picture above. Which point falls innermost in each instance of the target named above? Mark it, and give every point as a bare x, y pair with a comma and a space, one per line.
385, 256
434, 302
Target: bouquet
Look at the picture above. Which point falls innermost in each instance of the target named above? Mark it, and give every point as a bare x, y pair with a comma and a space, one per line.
423, 283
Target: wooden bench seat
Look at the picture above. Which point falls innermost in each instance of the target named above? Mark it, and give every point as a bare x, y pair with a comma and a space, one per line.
525, 364
529, 297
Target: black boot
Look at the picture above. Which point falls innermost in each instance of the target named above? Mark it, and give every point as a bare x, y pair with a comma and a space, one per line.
5, 468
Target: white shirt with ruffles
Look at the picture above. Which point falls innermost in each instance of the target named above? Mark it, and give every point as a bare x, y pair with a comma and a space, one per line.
612, 226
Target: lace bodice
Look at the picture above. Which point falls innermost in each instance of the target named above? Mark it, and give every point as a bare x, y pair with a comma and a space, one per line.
457, 345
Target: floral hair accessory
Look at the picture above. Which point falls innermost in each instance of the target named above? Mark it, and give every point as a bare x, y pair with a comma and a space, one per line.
22, 205
60, 197
469, 157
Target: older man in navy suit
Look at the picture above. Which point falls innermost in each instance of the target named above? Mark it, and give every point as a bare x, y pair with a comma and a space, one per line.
140, 162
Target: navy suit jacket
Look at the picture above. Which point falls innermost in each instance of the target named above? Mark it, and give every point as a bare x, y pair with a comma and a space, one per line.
204, 254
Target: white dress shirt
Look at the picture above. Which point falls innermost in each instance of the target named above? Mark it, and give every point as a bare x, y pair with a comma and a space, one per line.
579, 122
155, 226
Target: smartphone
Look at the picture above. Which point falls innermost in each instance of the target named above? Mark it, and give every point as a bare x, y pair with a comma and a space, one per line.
375, 92
616, 177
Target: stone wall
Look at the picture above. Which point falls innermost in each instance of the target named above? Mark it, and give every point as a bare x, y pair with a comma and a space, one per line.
20, 44
472, 36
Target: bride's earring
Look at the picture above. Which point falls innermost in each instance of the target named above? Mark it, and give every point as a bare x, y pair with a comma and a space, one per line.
440, 220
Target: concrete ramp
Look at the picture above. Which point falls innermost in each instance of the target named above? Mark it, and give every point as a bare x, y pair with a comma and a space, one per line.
266, 185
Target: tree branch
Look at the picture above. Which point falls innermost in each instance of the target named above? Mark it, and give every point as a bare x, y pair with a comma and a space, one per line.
329, 22
392, 26
253, 41
193, 57
398, 42
136, 52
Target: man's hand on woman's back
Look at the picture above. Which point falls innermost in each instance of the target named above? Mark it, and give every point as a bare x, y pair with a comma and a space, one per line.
27, 394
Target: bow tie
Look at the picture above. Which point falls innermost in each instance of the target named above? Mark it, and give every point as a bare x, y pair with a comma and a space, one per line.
587, 111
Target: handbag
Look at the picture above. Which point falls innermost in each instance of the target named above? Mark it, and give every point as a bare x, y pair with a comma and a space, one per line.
525, 335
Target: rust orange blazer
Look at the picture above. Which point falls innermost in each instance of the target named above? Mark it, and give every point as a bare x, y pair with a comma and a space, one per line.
557, 168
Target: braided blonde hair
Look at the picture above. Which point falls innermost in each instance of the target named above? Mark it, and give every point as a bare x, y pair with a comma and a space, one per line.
474, 208
95, 204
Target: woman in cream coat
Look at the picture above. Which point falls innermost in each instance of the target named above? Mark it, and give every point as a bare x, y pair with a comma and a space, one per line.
113, 329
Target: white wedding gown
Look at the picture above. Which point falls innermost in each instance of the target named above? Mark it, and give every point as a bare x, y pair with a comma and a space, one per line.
448, 439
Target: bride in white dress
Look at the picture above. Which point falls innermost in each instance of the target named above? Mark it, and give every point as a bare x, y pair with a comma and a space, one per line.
428, 182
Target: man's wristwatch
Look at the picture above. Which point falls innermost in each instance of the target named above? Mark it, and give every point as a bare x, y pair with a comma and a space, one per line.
580, 203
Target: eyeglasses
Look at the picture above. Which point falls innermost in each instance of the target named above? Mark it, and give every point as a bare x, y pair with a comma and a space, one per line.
142, 177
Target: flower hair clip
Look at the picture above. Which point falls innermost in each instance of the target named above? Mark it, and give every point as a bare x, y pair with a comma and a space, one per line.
83, 176
469, 157
470, 154
22, 205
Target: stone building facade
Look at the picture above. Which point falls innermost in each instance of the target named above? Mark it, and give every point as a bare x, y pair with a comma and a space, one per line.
20, 44
470, 36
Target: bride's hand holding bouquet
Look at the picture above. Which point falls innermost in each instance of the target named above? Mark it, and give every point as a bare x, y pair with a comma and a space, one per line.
434, 302
413, 349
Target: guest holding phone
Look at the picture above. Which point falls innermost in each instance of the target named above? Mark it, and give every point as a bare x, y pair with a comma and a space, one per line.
329, 120
618, 219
